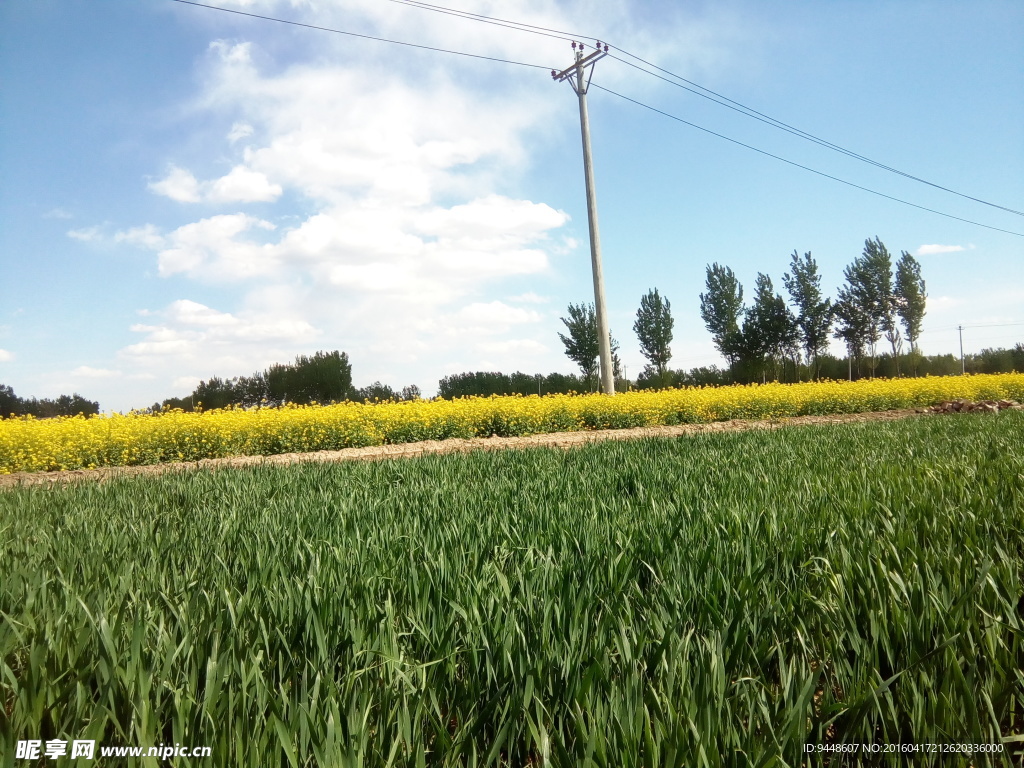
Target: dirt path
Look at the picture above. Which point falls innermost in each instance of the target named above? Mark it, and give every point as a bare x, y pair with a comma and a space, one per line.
460, 445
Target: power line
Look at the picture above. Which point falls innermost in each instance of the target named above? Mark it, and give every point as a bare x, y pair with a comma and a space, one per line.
705, 93
768, 120
356, 34
965, 327
508, 24
804, 167
994, 325
614, 93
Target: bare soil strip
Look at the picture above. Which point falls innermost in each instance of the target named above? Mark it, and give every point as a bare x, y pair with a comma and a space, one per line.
563, 440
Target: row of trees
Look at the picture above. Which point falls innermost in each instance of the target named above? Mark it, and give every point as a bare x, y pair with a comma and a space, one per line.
773, 338
484, 383
325, 377
64, 405
653, 327
769, 336
993, 360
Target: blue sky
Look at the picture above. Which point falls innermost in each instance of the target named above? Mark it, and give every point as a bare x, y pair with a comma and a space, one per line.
187, 193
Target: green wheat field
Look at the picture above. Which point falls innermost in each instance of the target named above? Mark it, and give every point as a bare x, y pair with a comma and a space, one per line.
712, 600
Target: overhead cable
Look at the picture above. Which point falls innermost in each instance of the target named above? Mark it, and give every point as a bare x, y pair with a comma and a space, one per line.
608, 90
706, 93
798, 165
357, 34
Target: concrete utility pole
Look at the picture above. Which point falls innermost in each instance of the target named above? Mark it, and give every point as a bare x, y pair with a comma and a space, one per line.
578, 76
963, 367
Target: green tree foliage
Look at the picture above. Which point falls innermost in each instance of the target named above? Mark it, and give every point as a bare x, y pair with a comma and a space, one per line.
910, 301
581, 345
9, 402
616, 361
704, 376
375, 392
721, 308
46, 408
866, 306
217, 393
323, 378
878, 265
770, 332
653, 327
485, 383
815, 313
880, 269
378, 393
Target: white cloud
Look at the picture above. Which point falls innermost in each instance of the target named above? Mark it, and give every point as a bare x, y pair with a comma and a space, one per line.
929, 250
209, 249
530, 298
86, 234
146, 236
244, 186
179, 185
406, 165
57, 213
508, 347
239, 131
495, 315
5, 356
240, 185
939, 303
491, 219
189, 329
88, 372
186, 382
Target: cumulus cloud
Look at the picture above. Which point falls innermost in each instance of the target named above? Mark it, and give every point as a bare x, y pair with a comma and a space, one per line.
240, 185
211, 249
939, 303
402, 170
529, 298
86, 234
186, 329
146, 236
239, 131
244, 186
495, 316
930, 250
179, 185
87, 372
5, 356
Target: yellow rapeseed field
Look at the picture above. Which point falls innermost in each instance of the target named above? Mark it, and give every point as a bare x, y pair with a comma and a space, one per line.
32, 445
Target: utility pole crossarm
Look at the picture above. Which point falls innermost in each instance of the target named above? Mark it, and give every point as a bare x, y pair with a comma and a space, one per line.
578, 77
582, 62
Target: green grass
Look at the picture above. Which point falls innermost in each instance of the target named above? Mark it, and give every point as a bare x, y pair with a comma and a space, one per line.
710, 600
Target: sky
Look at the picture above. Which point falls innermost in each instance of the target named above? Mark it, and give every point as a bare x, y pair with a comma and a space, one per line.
188, 193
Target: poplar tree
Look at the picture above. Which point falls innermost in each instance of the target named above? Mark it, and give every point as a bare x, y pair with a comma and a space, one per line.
815, 314
581, 345
653, 327
911, 299
769, 329
866, 304
721, 308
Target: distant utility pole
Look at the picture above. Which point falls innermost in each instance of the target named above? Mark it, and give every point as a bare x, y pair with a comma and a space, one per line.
578, 75
963, 367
